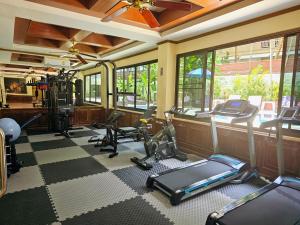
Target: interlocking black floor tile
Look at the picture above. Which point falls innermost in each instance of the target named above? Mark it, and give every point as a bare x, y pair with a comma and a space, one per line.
92, 150
30, 207
136, 178
83, 133
45, 145
66, 170
21, 140
27, 159
134, 211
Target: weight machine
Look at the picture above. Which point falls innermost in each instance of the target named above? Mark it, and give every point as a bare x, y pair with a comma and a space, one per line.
60, 101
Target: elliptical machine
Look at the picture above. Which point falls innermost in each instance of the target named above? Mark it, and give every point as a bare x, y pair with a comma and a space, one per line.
161, 145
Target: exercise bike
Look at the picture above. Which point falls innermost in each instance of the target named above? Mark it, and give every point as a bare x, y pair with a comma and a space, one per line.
161, 145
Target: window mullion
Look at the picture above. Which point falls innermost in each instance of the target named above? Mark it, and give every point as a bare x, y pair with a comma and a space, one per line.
148, 92
204, 81
212, 77
183, 82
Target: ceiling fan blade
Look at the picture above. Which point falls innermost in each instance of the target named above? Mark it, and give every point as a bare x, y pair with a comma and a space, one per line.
92, 56
65, 55
184, 6
65, 52
115, 14
82, 60
149, 18
76, 64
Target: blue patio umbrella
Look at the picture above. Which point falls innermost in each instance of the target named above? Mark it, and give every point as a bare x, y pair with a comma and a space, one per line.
198, 73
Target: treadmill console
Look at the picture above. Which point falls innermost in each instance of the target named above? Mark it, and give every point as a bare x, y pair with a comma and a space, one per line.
288, 115
235, 108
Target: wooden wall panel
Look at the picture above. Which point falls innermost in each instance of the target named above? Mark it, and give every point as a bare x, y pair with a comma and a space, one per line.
196, 138
82, 115
19, 98
22, 115
191, 138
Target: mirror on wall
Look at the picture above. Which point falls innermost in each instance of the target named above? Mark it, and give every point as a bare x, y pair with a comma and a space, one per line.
3, 172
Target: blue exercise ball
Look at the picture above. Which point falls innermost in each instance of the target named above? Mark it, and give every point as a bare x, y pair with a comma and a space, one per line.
10, 127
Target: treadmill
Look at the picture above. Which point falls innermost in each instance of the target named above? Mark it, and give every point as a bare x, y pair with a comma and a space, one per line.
184, 182
275, 204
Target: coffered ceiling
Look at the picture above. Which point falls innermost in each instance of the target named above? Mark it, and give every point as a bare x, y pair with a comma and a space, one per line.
28, 32
36, 33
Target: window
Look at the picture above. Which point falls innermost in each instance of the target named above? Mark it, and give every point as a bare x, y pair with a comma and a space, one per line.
290, 87
267, 73
291, 75
92, 88
194, 82
252, 72
137, 86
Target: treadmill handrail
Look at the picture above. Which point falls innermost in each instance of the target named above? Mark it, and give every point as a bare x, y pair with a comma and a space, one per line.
243, 200
289, 182
270, 123
249, 117
238, 117
203, 115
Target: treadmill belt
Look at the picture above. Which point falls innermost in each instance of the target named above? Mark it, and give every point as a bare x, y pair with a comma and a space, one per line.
190, 175
280, 206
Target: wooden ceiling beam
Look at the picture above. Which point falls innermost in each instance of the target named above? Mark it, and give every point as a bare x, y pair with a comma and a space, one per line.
101, 49
73, 3
20, 30
69, 32
14, 57
95, 5
74, 6
26, 58
98, 40
86, 48
169, 16
16, 66
78, 37
42, 42
169, 19
42, 30
118, 40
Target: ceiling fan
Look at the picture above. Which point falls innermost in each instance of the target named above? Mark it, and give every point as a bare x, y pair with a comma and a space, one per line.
144, 8
73, 51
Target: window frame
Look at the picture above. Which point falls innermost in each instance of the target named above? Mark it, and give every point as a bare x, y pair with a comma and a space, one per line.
213, 49
135, 84
84, 89
204, 53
